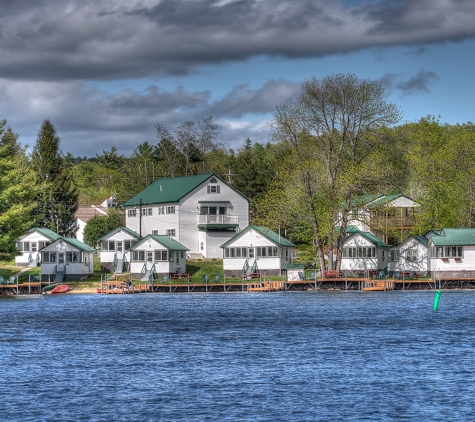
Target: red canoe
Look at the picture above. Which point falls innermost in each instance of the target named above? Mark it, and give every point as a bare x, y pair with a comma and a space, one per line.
62, 288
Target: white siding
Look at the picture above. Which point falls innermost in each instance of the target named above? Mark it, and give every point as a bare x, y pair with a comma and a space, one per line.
451, 264
35, 238
79, 268
361, 263
117, 236
423, 257
253, 239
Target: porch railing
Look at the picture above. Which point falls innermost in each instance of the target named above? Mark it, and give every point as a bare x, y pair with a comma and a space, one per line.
218, 219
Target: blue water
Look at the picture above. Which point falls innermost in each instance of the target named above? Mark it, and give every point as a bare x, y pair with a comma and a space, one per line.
353, 356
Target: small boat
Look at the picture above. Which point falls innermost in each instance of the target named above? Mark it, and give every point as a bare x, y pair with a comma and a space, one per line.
50, 287
62, 288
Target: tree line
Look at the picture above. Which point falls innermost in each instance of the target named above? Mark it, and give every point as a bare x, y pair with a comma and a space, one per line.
338, 140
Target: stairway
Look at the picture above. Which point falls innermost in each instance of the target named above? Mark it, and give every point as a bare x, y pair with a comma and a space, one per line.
119, 265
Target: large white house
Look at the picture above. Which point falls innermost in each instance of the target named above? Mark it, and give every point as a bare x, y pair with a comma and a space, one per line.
30, 243
199, 211
256, 249
411, 255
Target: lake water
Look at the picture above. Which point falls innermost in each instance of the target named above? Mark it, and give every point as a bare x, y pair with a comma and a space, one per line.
303, 356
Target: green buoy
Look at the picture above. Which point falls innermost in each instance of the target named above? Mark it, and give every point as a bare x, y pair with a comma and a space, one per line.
436, 300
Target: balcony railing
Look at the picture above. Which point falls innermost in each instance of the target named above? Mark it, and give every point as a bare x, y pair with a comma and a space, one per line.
393, 222
218, 219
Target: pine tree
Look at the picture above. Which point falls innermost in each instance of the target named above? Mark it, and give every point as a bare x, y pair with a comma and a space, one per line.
17, 192
58, 197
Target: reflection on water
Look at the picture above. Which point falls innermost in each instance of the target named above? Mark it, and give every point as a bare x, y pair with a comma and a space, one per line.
228, 357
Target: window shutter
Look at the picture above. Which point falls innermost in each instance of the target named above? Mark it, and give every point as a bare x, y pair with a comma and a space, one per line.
208, 188
217, 189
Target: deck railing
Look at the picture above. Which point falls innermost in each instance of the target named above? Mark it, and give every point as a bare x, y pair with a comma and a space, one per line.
218, 219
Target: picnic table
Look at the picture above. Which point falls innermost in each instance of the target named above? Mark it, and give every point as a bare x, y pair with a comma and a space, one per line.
180, 276
331, 273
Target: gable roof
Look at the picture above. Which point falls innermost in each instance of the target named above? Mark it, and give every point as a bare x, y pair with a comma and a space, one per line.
386, 199
269, 234
74, 243
171, 190
454, 237
167, 241
117, 229
50, 234
370, 237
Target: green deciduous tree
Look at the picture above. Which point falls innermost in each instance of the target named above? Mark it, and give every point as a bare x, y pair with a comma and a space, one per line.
336, 131
99, 225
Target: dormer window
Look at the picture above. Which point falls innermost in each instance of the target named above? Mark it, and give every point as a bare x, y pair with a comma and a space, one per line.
213, 180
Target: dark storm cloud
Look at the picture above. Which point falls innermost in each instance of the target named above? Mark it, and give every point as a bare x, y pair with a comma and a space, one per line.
110, 39
409, 85
89, 120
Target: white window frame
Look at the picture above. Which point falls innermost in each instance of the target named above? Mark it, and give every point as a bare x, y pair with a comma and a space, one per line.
132, 213
171, 209
171, 232
411, 255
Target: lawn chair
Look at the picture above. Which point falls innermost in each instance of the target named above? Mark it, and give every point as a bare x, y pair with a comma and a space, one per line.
301, 276
2, 280
205, 279
11, 280
36, 278
396, 275
217, 279
164, 280
311, 276
381, 275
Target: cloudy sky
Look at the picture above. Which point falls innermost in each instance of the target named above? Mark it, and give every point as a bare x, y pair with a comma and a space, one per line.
106, 71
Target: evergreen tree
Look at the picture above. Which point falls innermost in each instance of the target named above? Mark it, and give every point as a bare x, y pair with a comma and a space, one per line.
58, 197
17, 192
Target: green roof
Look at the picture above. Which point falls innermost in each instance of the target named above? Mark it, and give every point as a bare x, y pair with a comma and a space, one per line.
424, 240
165, 240
171, 190
50, 234
369, 236
125, 229
264, 231
455, 237
78, 244
386, 199
349, 229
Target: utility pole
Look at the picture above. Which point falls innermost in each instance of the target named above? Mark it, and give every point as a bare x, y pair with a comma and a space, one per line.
140, 218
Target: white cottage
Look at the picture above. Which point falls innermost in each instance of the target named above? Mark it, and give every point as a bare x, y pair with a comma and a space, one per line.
157, 255
453, 252
363, 251
411, 255
114, 248
256, 249
66, 259
30, 243
199, 211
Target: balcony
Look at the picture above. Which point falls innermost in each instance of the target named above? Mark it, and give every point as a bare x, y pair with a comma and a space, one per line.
213, 221
394, 222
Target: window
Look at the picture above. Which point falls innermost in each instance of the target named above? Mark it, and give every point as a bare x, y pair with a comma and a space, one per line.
360, 252
26, 246
49, 257
394, 255
154, 231
171, 210
138, 255
201, 246
411, 255
213, 188
147, 211
72, 257
161, 255
34, 247
161, 210
446, 252
213, 180
129, 243
132, 213
171, 232
108, 245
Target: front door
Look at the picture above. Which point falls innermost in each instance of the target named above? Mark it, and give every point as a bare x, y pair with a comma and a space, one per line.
251, 257
60, 261
149, 256
119, 247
